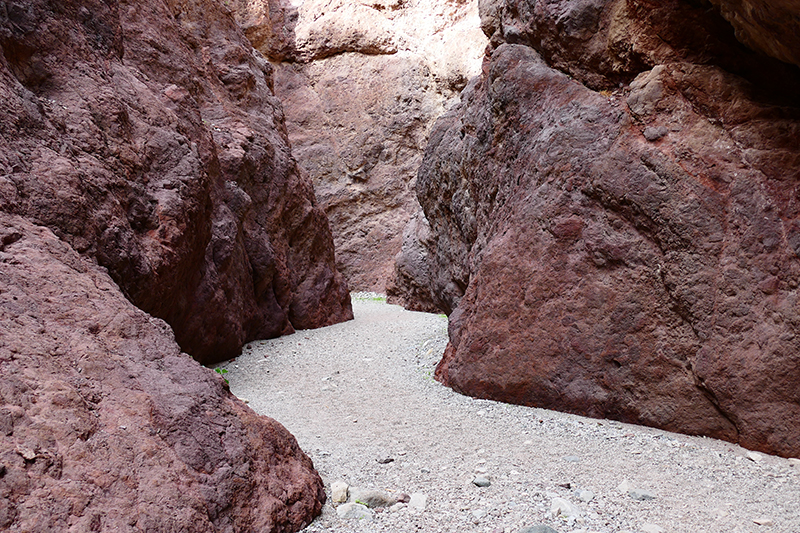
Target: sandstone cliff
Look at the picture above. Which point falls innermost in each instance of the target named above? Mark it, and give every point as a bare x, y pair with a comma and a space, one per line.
362, 84
614, 220
144, 159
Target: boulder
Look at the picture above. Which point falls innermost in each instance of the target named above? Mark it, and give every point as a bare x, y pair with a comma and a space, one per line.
362, 84
614, 226
105, 425
148, 137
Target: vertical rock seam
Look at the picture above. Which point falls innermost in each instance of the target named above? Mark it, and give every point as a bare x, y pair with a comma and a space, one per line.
362, 84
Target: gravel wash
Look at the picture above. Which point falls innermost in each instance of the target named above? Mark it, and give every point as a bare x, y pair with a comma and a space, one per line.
361, 400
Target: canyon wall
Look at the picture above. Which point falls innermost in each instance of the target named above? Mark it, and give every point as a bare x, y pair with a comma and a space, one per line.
362, 84
149, 138
145, 172
612, 220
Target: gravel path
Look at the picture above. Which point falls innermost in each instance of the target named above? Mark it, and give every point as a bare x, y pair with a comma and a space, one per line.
361, 393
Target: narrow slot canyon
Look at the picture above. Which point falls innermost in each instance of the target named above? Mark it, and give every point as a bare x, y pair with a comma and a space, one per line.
514, 266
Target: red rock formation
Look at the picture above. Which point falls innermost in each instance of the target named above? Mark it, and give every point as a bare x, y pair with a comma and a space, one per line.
630, 253
147, 136
362, 84
106, 426
143, 155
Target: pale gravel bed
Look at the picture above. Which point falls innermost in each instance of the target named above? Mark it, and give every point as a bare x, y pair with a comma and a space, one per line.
361, 391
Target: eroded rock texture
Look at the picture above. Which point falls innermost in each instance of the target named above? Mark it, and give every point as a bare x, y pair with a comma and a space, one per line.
362, 84
771, 26
615, 221
106, 426
143, 157
147, 136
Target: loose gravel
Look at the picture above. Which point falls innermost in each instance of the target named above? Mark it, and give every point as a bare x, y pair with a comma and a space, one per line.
361, 400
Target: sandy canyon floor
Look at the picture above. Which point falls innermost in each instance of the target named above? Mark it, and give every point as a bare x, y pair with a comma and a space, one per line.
362, 402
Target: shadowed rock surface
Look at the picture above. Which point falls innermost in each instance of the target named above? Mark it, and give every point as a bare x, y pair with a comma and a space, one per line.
106, 426
630, 253
148, 137
771, 26
362, 84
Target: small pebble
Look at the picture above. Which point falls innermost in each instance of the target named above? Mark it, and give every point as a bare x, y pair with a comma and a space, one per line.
561, 507
418, 501
481, 481
372, 498
641, 495
339, 491
754, 456
541, 528
354, 511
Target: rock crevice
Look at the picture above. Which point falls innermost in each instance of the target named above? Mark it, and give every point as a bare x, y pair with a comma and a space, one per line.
362, 84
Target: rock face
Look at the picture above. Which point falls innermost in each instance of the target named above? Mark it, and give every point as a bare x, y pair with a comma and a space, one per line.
106, 426
614, 221
143, 158
148, 138
362, 84
770, 26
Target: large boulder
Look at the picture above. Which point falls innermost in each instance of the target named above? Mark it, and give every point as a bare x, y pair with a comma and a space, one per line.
362, 84
106, 426
618, 236
147, 136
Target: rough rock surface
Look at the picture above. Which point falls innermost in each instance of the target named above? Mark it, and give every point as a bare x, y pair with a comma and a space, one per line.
147, 136
771, 26
106, 426
143, 159
362, 84
629, 253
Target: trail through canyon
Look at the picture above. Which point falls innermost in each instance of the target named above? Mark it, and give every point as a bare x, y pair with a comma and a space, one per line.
361, 401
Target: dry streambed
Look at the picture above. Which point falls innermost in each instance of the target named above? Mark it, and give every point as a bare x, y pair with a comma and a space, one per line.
360, 398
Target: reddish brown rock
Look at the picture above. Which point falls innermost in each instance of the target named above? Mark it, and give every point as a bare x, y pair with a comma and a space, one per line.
630, 253
362, 84
147, 136
106, 426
